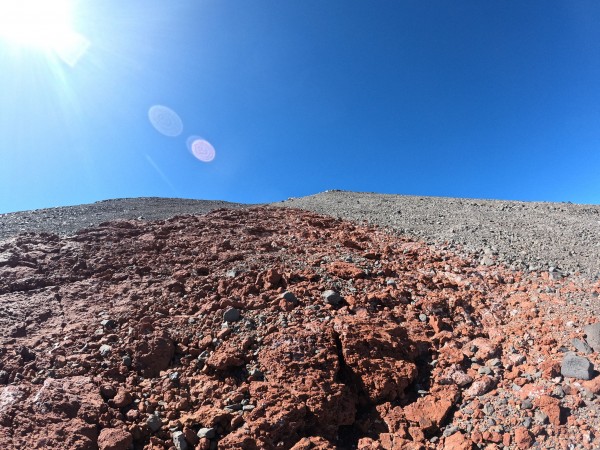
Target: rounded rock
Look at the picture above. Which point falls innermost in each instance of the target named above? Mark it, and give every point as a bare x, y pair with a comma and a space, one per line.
290, 297
331, 297
154, 423
231, 315
208, 433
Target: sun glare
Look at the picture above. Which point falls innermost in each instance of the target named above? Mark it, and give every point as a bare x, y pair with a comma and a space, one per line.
42, 24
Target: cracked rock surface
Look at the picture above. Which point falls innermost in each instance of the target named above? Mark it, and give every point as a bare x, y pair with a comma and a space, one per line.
217, 332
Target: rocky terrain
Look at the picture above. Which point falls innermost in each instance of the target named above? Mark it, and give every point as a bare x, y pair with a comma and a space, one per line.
66, 220
523, 235
277, 328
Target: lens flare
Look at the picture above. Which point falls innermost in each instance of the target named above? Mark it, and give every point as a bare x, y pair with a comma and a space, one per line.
203, 150
165, 120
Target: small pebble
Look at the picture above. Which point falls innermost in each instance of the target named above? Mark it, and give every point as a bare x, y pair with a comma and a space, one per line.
234, 407
488, 408
208, 433
593, 335
332, 297
290, 297
540, 417
231, 315
154, 423
108, 324
179, 441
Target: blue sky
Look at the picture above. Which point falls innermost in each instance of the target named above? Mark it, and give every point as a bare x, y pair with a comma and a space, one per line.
465, 98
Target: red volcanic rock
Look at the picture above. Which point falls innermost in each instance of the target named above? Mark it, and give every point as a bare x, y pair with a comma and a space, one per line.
306, 362
66, 410
122, 399
430, 411
379, 353
274, 422
551, 406
480, 387
227, 356
138, 335
523, 438
345, 270
114, 439
592, 385
153, 355
481, 348
457, 441
313, 443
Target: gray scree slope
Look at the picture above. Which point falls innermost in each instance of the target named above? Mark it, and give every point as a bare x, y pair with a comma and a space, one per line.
66, 220
524, 235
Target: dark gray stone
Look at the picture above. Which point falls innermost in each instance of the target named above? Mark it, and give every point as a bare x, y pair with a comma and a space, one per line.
208, 433
109, 323
154, 423
593, 335
179, 441
289, 297
332, 297
574, 366
231, 315
581, 346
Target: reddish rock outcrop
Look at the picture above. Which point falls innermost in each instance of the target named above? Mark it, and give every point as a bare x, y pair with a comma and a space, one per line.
279, 329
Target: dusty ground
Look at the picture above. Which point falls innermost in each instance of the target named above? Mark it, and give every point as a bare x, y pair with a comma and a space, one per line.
274, 328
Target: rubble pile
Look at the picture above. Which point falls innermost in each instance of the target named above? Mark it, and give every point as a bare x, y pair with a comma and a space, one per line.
271, 328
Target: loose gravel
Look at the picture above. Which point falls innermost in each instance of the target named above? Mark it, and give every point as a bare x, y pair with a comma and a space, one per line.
563, 238
67, 220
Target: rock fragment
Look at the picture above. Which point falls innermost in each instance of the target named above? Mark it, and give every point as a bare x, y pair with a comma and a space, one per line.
574, 366
581, 346
288, 301
523, 438
231, 315
480, 387
114, 439
154, 422
179, 440
208, 433
593, 335
332, 297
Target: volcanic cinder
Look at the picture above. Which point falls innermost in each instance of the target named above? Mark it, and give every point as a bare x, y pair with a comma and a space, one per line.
272, 328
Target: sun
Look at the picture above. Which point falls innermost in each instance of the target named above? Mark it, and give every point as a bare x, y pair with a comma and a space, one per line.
42, 24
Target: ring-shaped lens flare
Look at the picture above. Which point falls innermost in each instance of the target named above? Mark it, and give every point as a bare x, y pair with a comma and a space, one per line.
165, 120
203, 150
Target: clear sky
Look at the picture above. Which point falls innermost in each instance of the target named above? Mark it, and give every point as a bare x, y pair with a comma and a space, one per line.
481, 99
